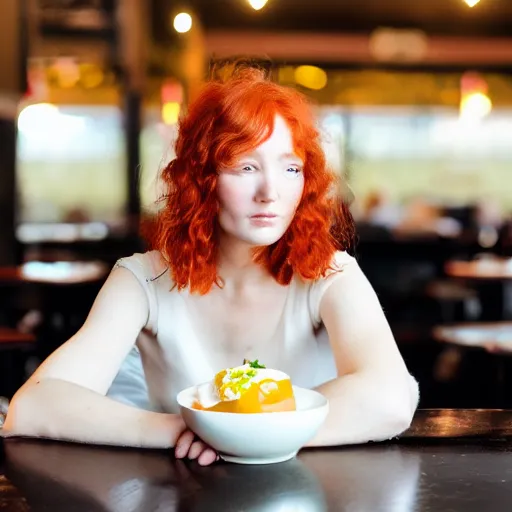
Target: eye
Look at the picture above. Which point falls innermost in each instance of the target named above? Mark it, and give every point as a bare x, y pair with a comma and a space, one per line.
294, 169
248, 168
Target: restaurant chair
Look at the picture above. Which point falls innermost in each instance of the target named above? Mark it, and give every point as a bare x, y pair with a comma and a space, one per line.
457, 301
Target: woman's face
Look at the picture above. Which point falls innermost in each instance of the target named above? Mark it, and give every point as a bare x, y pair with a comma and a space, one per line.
260, 192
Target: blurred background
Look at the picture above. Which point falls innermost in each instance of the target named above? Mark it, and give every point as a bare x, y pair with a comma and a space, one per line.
414, 103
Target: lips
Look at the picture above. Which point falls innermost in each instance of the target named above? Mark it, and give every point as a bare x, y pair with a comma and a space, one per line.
263, 220
264, 216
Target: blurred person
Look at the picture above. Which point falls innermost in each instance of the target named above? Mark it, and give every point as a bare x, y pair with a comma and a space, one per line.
76, 216
488, 213
487, 222
249, 260
379, 210
423, 217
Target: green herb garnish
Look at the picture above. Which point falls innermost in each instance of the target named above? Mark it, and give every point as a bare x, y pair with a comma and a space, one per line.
254, 364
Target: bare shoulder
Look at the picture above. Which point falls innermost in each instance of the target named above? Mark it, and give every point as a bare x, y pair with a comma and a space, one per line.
350, 306
347, 281
122, 286
343, 269
342, 261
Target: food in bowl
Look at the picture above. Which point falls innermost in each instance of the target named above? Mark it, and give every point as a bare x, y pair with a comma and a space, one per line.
256, 438
249, 388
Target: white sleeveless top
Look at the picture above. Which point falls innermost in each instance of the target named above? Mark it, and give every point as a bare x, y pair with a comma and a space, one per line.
170, 354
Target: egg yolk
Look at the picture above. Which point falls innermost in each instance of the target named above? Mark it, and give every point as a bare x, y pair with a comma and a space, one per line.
267, 395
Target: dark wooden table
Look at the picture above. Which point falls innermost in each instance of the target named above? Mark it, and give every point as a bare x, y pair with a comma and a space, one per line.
54, 273
62, 292
485, 335
492, 276
495, 338
481, 269
448, 461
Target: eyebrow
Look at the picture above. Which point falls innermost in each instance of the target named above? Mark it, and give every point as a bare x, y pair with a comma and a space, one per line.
284, 156
290, 156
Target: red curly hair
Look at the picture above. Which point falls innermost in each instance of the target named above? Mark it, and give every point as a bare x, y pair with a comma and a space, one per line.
228, 119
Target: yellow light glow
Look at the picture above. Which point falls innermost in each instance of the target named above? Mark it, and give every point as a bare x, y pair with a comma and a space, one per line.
170, 112
182, 22
311, 77
471, 3
257, 4
92, 76
475, 106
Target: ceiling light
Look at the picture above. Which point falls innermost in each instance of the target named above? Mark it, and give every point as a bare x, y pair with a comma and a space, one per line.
257, 4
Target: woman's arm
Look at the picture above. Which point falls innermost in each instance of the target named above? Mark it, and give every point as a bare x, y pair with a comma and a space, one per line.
65, 398
374, 398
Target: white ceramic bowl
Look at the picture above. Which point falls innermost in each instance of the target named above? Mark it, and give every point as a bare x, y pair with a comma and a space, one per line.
260, 438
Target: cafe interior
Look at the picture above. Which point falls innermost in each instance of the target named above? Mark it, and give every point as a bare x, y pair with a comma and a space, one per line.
413, 101
414, 104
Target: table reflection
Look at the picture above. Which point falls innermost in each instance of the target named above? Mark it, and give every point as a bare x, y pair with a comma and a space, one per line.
367, 478
63, 477
97, 479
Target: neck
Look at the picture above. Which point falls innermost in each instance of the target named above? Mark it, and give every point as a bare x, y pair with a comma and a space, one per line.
236, 263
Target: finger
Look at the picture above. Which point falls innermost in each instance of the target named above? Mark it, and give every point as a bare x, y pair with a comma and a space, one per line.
208, 457
196, 449
184, 442
183, 445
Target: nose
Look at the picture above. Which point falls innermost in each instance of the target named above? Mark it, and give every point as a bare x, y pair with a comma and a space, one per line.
267, 189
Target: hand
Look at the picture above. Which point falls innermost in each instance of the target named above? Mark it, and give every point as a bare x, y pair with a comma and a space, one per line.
188, 445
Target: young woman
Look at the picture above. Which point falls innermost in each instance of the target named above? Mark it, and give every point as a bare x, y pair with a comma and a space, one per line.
249, 261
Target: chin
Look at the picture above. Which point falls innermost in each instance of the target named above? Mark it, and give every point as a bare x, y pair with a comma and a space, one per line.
263, 240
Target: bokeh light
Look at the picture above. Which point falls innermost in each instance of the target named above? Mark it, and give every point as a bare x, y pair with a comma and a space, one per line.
182, 22
311, 77
475, 106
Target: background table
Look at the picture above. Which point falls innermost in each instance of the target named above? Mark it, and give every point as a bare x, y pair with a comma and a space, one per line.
493, 278
55, 273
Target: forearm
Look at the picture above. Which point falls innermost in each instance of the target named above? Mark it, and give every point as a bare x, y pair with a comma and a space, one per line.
58, 409
361, 409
